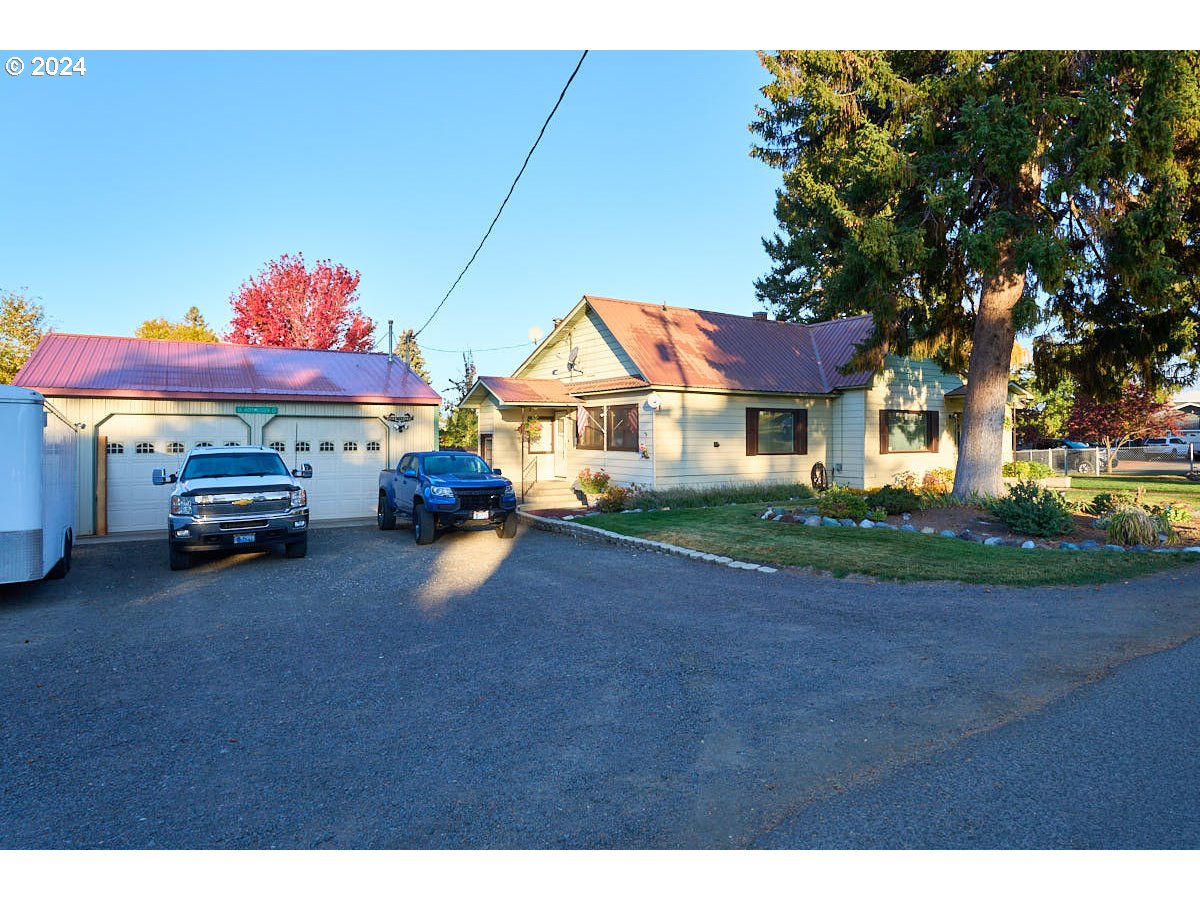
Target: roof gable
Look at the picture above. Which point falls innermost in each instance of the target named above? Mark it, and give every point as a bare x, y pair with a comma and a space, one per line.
99, 366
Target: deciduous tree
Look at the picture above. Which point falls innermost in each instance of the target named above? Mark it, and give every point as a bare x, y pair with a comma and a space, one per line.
289, 305
22, 324
959, 197
191, 327
461, 427
1136, 412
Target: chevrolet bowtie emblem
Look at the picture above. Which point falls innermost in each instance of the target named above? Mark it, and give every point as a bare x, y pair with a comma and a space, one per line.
244, 501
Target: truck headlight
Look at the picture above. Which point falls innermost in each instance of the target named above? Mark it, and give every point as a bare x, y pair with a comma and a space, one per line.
509, 490
182, 506
442, 493
299, 498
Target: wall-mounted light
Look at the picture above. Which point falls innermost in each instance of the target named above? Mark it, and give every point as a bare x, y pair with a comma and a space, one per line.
654, 401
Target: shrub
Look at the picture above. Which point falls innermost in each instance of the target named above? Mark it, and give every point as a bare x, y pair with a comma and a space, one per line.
615, 498
896, 500
1129, 524
1026, 470
721, 495
938, 481
839, 503
1174, 512
594, 482
1032, 509
907, 480
1103, 504
877, 513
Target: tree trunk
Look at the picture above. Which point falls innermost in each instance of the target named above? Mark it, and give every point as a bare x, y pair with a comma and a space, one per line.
980, 456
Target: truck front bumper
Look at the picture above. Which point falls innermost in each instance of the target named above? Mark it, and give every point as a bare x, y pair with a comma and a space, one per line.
191, 534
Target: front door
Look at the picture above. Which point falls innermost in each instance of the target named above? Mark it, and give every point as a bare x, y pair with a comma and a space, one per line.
562, 436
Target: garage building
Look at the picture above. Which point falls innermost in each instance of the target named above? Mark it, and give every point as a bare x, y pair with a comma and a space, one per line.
141, 403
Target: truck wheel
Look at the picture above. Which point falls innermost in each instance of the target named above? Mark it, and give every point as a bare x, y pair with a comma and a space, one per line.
423, 524
508, 527
179, 559
296, 549
63, 566
384, 514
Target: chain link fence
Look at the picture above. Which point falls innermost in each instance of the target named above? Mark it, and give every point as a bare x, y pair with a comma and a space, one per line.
1144, 459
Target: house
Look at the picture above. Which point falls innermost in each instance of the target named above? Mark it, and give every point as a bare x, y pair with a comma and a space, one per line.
141, 403
664, 396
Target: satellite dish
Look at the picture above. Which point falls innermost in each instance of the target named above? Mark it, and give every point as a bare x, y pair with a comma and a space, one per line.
535, 334
574, 354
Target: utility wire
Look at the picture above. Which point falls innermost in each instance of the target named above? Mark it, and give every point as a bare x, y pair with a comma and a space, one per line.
509, 194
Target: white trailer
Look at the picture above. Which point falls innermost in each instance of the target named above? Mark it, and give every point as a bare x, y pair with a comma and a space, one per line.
38, 482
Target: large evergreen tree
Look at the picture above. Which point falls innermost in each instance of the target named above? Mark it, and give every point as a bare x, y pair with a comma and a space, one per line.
959, 197
409, 350
461, 427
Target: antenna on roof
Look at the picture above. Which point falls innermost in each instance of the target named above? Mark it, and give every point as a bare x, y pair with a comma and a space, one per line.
391, 345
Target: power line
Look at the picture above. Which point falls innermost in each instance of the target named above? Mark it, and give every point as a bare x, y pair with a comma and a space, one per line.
509, 194
480, 350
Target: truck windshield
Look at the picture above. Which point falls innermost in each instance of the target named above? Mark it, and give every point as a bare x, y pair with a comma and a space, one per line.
222, 465
455, 465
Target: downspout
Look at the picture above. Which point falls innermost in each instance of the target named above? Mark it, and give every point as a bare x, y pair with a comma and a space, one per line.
521, 441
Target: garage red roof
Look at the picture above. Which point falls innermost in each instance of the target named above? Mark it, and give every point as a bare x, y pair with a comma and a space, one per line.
83, 365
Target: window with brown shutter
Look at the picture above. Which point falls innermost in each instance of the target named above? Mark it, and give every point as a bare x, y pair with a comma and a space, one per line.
776, 432
909, 431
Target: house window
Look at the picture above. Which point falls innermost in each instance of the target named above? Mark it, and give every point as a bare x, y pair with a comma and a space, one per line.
175, 447
326, 447
908, 431
622, 422
144, 447
591, 430
350, 447
114, 449
303, 447
373, 446
774, 432
278, 446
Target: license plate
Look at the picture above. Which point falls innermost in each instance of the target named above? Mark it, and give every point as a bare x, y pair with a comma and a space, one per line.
479, 514
243, 539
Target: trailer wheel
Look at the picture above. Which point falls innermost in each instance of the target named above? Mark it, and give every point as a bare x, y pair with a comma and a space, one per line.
179, 559
63, 566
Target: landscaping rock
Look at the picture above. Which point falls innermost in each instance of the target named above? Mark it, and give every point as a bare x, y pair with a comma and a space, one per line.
966, 535
1067, 545
830, 523
890, 527
767, 515
906, 516
1190, 550
767, 569
1139, 548
1089, 545
992, 541
1028, 545
907, 527
946, 532
866, 523
813, 520
1116, 548
847, 523
927, 530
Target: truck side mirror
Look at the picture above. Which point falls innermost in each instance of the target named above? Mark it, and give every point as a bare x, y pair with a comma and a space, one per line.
160, 476
305, 471
409, 473
496, 471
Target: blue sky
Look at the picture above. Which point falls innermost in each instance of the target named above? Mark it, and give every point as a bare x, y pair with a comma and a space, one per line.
162, 180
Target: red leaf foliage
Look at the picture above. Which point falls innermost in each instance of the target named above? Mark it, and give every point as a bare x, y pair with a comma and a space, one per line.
1138, 413
289, 305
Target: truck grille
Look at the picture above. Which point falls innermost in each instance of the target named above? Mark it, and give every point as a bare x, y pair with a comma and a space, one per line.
219, 506
477, 498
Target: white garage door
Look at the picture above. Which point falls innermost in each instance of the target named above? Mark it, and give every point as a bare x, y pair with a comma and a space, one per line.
139, 444
346, 455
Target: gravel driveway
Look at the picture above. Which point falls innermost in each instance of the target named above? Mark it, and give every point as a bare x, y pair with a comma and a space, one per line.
540, 692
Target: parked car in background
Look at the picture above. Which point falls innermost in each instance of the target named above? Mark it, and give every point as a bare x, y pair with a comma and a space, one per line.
1171, 446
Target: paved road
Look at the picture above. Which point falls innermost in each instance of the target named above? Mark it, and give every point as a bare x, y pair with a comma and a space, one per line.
540, 692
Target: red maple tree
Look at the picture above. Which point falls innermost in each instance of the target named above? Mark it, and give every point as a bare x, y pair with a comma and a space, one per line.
288, 305
1137, 413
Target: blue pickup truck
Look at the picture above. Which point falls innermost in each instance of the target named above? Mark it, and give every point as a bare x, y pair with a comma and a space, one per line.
444, 489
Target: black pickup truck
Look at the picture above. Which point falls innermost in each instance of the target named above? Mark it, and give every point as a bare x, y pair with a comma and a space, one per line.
444, 489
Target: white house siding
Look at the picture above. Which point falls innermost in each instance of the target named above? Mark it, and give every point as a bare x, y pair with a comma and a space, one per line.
845, 457
624, 466
600, 356
96, 413
909, 384
688, 424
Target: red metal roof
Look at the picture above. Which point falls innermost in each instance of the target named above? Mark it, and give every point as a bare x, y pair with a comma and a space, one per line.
534, 391
675, 346
80, 365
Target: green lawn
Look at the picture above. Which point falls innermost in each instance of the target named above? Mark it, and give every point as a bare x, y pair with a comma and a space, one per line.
1160, 489
737, 531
